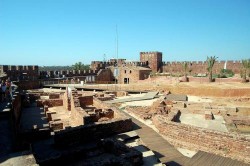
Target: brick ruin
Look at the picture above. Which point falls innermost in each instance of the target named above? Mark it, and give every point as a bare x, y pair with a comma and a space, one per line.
165, 115
55, 123
187, 136
107, 151
71, 108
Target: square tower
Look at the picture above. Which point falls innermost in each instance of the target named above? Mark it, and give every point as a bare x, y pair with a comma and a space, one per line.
153, 59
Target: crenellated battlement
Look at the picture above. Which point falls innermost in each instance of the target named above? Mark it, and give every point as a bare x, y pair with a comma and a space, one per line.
6, 68
97, 65
150, 52
200, 62
201, 66
19, 72
67, 73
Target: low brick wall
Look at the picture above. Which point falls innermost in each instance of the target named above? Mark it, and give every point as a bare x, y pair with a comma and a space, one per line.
54, 95
26, 85
34, 96
228, 80
198, 79
92, 132
49, 102
16, 110
86, 100
221, 143
205, 79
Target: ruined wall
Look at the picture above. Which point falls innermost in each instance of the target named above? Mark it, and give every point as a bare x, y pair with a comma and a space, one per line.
66, 100
26, 85
103, 105
86, 100
16, 110
144, 74
49, 102
219, 80
91, 132
104, 76
221, 143
54, 95
198, 79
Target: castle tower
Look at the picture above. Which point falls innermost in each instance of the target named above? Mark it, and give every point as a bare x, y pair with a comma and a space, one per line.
153, 59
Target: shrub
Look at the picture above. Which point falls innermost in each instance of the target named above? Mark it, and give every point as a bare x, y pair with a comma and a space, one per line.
225, 73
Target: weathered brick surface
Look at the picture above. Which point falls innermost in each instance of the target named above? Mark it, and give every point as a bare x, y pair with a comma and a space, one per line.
91, 132
104, 76
105, 152
49, 102
25, 85
16, 108
201, 67
49, 115
154, 60
208, 115
221, 143
86, 100
58, 125
16, 72
54, 95
46, 108
131, 74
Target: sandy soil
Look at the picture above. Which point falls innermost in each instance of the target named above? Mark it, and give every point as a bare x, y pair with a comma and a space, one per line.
189, 88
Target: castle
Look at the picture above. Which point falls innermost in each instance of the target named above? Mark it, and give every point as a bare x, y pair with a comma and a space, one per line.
153, 60
120, 70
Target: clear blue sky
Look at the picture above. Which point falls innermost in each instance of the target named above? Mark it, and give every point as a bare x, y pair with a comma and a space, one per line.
62, 32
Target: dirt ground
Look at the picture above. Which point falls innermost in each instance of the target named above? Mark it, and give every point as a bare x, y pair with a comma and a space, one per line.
189, 88
231, 94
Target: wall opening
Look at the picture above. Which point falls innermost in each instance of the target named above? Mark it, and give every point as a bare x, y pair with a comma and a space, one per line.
126, 80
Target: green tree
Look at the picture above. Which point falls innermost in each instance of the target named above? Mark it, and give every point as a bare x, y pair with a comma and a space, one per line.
80, 66
246, 68
210, 64
185, 69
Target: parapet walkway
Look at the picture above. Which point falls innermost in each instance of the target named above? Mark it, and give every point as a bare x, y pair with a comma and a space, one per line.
170, 156
147, 96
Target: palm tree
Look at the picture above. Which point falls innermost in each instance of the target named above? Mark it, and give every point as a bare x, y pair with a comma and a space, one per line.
78, 66
210, 64
246, 68
185, 68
